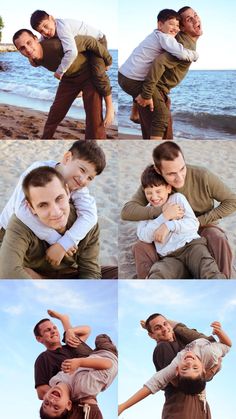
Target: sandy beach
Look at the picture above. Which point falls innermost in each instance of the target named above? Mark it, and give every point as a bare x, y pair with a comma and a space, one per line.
25, 123
134, 156
16, 156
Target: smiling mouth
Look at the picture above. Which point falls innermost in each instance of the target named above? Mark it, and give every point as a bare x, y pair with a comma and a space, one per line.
56, 393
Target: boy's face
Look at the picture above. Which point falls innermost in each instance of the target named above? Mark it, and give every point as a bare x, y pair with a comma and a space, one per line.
190, 366
77, 173
56, 400
47, 27
170, 26
51, 204
157, 195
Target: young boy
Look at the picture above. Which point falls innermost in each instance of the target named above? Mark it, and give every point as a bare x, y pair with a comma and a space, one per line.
182, 251
194, 365
79, 166
66, 30
81, 380
162, 39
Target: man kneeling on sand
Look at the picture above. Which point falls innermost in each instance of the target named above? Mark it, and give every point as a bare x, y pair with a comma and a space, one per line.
47, 196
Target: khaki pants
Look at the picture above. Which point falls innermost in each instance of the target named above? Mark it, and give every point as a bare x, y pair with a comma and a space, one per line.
145, 254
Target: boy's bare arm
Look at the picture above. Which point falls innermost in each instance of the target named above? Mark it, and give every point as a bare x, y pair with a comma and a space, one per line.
218, 331
137, 397
71, 365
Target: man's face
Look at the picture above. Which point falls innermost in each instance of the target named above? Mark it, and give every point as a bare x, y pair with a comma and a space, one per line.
51, 204
191, 23
157, 195
77, 173
49, 334
170, 26
29, 46
161, 330
56, 400
174, 171
47, 27
190, 366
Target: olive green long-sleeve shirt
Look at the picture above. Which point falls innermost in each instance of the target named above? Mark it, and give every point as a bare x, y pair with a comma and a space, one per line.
21, 248
201, 188
167, 71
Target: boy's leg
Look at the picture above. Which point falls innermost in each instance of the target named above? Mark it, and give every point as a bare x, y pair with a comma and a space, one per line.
145, 256
87, 256
200, 262
219, 248
169, 268
67, 91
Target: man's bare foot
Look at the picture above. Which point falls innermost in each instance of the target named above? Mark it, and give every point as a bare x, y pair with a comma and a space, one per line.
57, 315
134, 116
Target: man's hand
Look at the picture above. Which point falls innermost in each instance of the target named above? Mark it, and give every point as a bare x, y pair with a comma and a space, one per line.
70, 365
71, 338
161, 233
58, 76
55, 254
172, 211
145, 102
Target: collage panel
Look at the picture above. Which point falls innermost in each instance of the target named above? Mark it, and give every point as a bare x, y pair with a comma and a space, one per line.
197, 173
45, 227
176, 310
91, 309
65, 75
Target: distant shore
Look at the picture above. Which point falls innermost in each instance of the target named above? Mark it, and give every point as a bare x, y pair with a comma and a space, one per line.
7, 48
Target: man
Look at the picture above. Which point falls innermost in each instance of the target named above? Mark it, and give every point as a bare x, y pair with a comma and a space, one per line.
48, 53
193, 182
165, 73
47, 196
49, 362
171, 337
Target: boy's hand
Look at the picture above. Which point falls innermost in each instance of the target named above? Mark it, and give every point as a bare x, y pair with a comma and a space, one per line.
161, 233
145, 102
55, 254
216, 328
107, 68
172, 211
71, 251
70, 365
121, 408
143, 324
58, 76
71, 338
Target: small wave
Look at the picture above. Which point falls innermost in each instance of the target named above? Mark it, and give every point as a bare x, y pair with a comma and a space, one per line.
221, 123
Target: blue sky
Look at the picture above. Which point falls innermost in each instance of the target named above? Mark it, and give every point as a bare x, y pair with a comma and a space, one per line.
101, 14
23, 304
195, 303
217, 45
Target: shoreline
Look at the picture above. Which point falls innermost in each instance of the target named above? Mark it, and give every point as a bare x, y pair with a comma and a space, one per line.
26, 123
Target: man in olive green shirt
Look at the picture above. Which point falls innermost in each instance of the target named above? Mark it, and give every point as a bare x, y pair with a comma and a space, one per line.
201, 188
23, 254
48, 53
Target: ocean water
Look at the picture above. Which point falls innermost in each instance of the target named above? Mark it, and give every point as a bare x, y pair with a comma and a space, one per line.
35, 87
203, 106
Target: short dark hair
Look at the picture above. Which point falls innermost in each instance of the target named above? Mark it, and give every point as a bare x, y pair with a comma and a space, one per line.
37, 17
165, 151
91, 152
149, 319
36, 327
167, 14
20, 32
151, 178
43, 415
182, 10
192, 385
104, 341
40, 177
